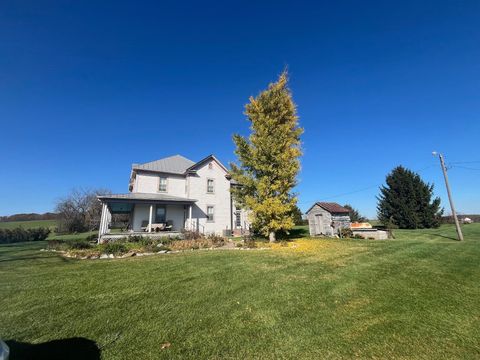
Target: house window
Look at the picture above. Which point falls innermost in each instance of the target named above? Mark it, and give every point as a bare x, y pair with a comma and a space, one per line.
210, 214
160, 215
238, 218
210, 186
162, 184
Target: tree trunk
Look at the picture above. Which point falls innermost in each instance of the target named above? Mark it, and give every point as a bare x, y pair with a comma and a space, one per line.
271, 236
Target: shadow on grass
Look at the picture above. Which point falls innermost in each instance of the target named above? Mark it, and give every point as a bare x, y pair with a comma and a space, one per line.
295, 233
446, 237
72, 348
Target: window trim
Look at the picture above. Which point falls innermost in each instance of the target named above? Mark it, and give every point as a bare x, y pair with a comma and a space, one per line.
213, 186
160, 182
213, 214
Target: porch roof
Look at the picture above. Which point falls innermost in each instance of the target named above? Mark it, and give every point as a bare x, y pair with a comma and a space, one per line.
135, 198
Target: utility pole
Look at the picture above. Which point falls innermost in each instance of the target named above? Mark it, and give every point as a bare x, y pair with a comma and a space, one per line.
452, 207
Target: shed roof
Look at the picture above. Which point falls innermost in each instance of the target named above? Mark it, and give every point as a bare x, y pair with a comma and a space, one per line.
331, 207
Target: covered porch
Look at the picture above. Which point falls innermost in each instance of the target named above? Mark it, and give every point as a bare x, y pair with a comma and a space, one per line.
148, 214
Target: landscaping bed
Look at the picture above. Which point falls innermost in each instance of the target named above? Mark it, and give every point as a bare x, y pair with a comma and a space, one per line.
139, 246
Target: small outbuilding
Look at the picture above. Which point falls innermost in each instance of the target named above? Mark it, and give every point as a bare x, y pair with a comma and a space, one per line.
327, 218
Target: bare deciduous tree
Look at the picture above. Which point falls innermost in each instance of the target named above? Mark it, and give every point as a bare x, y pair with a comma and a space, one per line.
80, 211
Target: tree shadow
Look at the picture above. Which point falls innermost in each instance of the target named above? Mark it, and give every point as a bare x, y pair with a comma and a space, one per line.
73, 349
295, 233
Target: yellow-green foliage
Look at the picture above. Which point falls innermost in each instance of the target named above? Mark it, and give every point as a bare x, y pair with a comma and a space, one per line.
269, 159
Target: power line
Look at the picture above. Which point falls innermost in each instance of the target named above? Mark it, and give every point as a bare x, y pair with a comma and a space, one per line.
355, 191
465, 162
466, 167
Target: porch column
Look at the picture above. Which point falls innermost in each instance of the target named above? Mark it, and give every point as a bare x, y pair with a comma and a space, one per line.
150, 219
108, 218
190, 217
102, 222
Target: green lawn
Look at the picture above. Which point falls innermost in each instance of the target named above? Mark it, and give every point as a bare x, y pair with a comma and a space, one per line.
415, 297
28, 224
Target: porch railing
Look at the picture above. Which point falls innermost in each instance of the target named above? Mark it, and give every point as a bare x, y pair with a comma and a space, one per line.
194, 225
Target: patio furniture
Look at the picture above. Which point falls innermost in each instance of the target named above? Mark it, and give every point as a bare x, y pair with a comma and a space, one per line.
168, 226
157, 227
144, 226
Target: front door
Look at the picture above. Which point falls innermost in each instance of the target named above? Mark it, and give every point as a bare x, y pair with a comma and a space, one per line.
160, 214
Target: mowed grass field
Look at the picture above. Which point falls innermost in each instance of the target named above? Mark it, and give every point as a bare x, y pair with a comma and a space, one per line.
415, 297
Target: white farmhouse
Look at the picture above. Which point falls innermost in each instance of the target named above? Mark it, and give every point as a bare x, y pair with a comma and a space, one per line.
175, 194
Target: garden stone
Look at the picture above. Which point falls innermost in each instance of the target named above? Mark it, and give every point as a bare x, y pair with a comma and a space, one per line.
104, 256
111, 256
162, 251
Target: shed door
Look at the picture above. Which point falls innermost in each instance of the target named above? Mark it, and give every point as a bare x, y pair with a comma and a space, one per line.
318, 224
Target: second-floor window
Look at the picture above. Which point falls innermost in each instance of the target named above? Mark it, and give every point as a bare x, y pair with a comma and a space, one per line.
162, 184
210, 186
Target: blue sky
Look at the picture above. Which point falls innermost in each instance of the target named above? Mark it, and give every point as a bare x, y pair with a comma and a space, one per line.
87, 88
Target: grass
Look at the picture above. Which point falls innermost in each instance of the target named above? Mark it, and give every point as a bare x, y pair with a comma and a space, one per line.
413, 297
28, 224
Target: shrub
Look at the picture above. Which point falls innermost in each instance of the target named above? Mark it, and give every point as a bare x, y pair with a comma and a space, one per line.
19, 234
192, 235
249, 242
191, 244
346, 233
216, 240
79, 245
57, 245
116, 247
93, 237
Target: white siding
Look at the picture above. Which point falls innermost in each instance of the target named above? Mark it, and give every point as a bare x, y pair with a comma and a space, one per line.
140, 213
176, 214
220, 199
149, 183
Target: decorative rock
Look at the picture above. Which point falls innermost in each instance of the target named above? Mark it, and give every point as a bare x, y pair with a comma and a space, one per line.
111, 256
162, 251
159, 245
104, 256
129, 254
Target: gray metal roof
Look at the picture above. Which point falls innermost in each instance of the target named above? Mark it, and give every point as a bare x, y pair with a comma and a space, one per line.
176, 164
144, 197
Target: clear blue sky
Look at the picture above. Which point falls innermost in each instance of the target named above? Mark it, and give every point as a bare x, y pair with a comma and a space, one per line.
89, 87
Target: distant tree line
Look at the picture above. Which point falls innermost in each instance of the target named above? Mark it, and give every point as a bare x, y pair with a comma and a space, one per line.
29, 217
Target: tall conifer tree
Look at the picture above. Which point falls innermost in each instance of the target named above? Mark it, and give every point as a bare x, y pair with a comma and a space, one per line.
406, 201
269, 159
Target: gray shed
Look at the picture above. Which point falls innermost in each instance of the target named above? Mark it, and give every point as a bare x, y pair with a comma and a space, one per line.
326, 218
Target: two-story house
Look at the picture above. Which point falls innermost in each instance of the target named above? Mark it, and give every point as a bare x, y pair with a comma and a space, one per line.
174, 194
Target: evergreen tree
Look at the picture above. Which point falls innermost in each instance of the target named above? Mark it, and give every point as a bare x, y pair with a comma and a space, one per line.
269, 159
354, 214
406, 201
297, 216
